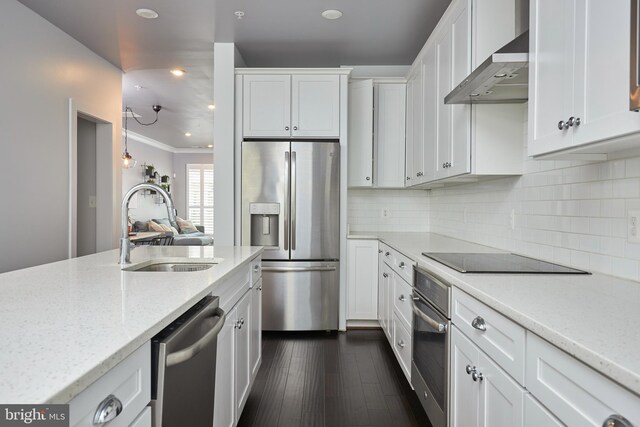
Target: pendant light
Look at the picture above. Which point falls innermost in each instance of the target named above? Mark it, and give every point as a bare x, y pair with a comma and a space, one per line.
127, 160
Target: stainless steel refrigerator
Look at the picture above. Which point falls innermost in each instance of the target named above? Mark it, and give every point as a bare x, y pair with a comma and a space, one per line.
291, 206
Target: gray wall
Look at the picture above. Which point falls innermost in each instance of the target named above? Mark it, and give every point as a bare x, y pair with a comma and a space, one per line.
180, 162
46, 67
143, 208
86, 234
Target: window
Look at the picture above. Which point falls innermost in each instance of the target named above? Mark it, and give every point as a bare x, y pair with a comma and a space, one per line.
200, 196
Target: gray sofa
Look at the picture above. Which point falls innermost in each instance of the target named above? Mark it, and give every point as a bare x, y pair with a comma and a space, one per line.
198, 238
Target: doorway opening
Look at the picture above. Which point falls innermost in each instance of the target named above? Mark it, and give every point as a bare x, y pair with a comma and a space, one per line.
86, 200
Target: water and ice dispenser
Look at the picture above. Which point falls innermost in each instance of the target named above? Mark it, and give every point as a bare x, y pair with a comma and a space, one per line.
265, 220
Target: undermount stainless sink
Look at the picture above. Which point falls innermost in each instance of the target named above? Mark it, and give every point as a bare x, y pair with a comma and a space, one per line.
173, 266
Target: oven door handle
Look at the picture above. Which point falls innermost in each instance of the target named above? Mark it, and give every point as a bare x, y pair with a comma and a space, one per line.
440, 328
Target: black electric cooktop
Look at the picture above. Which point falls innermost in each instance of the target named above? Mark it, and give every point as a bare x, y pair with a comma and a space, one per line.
499, 263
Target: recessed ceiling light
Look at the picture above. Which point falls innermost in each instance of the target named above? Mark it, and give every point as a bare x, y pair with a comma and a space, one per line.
178, 72
147, 13
210, 146
187, 134
239, 14
331, 14
211, 107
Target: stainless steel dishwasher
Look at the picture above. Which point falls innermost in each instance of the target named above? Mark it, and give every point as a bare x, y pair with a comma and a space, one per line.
184, 367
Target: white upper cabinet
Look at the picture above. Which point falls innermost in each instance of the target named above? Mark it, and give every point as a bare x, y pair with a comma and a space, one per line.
284, 105
579, 77
457, 140
360, 172
389, 138
266, 106
315, 108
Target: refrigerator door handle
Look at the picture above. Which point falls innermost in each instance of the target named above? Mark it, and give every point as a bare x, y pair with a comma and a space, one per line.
293, 200
297, 269
286, 201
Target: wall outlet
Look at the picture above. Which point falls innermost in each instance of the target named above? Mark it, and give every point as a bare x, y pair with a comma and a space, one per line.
92, 201
633, 226
385, 213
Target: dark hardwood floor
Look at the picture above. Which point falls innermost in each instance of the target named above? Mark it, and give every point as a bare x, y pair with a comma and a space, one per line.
333, 380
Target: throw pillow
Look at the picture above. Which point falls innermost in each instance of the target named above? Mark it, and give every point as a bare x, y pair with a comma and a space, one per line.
166, 222
140, 226
186, 227
161, 228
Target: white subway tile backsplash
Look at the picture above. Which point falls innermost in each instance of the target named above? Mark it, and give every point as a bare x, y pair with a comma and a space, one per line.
407, 209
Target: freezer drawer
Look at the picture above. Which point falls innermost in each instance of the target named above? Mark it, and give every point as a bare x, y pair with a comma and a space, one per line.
300, 296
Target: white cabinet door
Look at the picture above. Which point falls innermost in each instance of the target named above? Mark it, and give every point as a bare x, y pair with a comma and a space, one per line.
551, 74
315, 107
387, 305
460, 150
602, 90
536, 415
390, 107
224, 402
430, 108
360, 172
266, 106
417, 139
443, 64
362, 282
501, 398
242, 344
381, 287
256, 328
465, 393
410, 179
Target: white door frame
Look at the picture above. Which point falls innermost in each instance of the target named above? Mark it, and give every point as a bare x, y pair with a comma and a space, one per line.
104, 178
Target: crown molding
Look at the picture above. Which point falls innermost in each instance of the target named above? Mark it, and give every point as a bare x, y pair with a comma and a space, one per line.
165, 147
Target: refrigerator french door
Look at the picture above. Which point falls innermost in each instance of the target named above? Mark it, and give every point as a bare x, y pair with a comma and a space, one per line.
290, 205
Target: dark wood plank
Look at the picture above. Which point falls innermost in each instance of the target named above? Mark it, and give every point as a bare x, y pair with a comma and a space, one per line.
352, 392
379, 414
291, 411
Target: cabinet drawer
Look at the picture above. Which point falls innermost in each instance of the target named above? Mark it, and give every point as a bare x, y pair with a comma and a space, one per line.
401, 264
129, 382
144, 419
499, 337
256, 270
402, 346
576, 394
402, 300
234, 288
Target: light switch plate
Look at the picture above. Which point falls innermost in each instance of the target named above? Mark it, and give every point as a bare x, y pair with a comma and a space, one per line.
633, 226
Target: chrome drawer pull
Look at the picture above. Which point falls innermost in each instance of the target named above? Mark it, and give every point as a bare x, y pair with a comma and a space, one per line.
401, 265
385, 275
469, 369
401, 344
479, 324
616, 420
107, 410
477, 376
402, 298
256, 268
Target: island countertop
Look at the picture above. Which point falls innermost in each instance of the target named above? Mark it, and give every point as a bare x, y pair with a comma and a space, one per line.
67, 323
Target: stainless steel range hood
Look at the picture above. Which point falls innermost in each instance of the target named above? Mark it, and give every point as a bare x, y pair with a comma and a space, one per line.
502, 79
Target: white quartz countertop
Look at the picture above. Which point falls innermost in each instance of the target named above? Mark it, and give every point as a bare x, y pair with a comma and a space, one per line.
594, 318
67, 323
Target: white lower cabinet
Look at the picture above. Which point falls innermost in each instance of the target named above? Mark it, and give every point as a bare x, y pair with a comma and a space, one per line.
362, 282
483, 394
575, 394
402, 344
129, 383
239, 354
143, 420
536, 415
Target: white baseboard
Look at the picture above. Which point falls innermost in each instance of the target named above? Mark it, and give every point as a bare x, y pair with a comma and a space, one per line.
363, 324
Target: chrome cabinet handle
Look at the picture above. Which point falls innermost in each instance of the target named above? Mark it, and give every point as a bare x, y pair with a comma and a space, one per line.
368, 178
401, 344
616, 420
379, 251
260, 287
479, 324
107, 410
476, 376
256, 268
408, 178
401, 265
402, 298
385, 275
295, 128
469, 369
387, 253
562, 125
286, 128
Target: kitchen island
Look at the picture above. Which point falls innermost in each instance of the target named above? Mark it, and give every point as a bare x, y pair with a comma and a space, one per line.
67, 323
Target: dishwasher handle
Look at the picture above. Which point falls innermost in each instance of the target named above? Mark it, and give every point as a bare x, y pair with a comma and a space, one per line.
297, 269
183, 355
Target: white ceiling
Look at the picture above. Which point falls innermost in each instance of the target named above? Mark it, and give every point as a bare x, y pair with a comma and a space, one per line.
274, 33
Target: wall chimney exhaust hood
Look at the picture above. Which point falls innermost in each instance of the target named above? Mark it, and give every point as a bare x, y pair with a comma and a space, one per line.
502, 79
